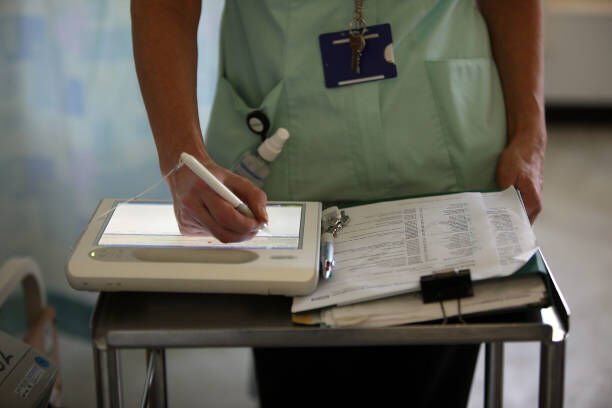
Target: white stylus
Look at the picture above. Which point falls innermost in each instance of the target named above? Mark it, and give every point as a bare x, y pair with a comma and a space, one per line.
202, 172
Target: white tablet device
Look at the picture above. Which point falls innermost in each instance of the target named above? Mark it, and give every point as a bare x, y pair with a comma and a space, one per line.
138, 247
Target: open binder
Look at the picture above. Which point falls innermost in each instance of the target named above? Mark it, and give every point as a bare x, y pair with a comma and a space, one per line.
391, 256
527, 288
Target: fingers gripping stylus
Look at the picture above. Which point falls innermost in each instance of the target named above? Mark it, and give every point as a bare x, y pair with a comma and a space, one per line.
214, 183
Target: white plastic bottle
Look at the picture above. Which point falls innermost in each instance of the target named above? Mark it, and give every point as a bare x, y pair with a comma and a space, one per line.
255, 166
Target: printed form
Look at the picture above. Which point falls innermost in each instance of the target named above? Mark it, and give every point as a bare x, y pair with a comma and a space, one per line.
388, 246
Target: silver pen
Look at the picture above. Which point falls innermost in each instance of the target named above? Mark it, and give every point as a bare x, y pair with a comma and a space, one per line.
327, 255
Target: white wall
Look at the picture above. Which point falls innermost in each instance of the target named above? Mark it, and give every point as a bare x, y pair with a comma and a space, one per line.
578, 52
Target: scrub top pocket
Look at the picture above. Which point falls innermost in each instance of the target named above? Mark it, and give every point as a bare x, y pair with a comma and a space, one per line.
470, 105
228, 135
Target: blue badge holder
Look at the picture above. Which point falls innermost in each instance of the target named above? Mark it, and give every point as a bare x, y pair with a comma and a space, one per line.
377, 58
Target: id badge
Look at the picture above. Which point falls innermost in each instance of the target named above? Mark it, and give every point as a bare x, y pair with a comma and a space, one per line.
377, 60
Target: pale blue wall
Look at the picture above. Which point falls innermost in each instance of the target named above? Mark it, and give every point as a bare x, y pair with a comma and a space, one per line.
73, 128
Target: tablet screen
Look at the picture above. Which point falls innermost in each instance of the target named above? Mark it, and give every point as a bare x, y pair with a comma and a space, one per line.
153, 224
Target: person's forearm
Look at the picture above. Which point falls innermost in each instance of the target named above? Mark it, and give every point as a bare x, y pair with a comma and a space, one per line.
165, 52
515, 28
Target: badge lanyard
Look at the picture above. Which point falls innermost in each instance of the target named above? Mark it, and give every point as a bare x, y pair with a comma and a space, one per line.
359, 54
357, 40
358, 22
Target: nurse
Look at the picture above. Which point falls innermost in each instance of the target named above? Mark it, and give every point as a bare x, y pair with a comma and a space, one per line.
462, 110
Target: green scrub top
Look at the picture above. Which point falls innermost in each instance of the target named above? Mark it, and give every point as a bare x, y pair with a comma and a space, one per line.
438, 127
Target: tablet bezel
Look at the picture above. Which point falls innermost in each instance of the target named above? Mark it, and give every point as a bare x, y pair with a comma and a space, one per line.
280, 271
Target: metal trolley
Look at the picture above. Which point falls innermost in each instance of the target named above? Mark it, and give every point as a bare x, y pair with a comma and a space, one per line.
158, 321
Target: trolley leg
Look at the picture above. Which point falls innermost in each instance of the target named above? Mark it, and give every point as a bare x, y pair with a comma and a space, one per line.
552, 374
158, 396
107, 367
494, 374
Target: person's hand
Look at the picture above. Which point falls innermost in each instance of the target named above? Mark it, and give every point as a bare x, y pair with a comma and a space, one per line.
521, 165
200, 210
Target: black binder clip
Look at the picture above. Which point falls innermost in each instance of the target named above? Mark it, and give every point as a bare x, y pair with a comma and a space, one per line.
441, 286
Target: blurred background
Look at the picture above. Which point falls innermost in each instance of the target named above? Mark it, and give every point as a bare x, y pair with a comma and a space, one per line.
73, 130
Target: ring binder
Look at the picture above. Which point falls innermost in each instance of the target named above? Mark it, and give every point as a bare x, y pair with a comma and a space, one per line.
445, 285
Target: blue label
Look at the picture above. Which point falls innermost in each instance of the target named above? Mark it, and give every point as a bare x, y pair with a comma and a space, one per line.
41, 362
